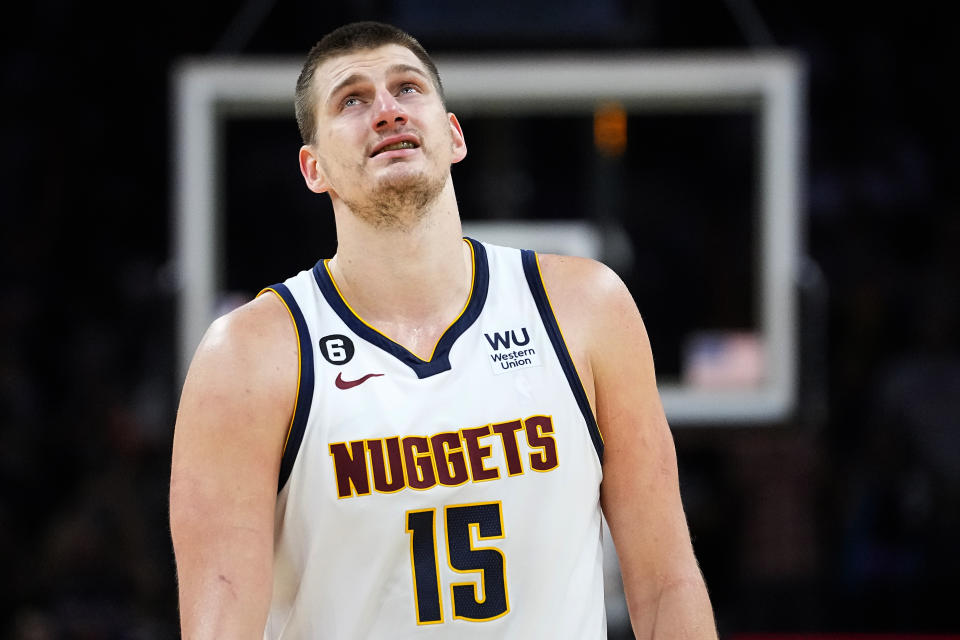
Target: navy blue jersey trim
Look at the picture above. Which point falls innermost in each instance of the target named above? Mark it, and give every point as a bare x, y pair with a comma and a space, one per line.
305, 392
440, 361
532, 272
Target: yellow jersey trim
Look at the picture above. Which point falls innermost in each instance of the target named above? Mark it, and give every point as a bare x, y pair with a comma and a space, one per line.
473, 280
565, 345
296, 398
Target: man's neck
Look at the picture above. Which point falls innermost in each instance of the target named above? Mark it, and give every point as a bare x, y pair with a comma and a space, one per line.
410, 282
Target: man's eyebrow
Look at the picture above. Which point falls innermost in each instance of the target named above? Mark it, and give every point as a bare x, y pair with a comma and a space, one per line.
404, 68
355, 78
349, 80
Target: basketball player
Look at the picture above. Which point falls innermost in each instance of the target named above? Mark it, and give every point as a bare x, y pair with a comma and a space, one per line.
414, 438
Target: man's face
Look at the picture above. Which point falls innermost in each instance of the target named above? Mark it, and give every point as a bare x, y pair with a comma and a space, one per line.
381, 127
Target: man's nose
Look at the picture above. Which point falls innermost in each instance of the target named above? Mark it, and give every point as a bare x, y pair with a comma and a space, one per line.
388, 112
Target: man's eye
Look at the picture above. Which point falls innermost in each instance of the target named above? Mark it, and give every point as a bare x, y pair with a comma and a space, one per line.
409, 88
351, 101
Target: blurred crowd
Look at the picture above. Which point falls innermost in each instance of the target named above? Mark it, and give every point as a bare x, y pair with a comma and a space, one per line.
843, 518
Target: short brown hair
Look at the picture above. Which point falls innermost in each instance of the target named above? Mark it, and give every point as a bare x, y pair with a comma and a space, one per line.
349, 38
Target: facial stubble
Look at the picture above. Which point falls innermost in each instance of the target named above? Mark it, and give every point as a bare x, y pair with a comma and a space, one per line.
398, 202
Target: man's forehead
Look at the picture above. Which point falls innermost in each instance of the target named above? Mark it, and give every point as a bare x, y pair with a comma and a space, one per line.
364, 62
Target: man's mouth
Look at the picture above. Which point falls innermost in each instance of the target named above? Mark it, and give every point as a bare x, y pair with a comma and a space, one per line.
395, 146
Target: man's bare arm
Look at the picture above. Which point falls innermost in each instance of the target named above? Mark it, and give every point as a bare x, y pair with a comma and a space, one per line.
234, 414
640, 494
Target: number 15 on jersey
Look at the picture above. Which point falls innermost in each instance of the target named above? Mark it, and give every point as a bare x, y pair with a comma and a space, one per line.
482, 598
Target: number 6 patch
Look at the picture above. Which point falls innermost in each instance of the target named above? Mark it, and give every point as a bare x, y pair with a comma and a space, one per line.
337, 349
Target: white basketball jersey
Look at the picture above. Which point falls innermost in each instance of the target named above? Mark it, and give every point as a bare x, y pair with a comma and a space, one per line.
456, 497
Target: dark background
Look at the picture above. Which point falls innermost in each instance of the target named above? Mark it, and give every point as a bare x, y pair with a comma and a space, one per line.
843, 518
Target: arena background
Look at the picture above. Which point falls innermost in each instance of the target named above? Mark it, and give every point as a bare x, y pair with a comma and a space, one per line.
840, 520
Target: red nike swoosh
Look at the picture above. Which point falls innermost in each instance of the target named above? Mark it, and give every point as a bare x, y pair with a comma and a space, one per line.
349, 384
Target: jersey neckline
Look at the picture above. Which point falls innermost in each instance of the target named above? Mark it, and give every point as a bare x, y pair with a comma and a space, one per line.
440, 360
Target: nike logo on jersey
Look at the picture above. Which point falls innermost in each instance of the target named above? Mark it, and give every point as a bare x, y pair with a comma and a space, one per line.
350, 384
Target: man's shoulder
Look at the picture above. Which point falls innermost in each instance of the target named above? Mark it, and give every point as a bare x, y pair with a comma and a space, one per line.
580, 279
252, 342
590, 302
251, 323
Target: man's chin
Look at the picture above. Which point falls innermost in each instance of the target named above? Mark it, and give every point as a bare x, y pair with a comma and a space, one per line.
399, 199
407, 184
400, 181
400, 175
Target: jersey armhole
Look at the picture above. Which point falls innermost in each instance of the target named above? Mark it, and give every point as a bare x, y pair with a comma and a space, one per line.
304, 397
531, 269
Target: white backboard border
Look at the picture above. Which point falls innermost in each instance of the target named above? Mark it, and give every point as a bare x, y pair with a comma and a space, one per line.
207, 90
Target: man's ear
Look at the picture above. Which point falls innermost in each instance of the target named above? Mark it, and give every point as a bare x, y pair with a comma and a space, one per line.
459, 143
313, 173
